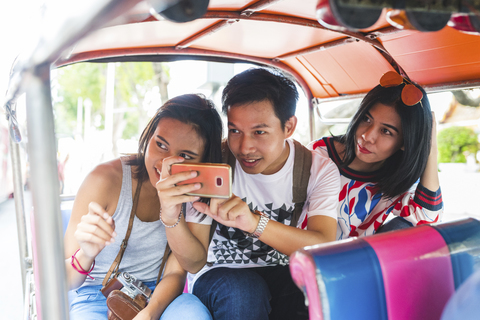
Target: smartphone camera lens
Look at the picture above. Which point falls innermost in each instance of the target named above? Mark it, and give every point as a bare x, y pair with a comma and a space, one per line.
219, 181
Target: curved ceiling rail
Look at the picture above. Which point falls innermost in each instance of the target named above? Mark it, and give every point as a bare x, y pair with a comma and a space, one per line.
192, 52
251, 13
228, 18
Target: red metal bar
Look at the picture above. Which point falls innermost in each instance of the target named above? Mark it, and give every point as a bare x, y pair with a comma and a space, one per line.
100, 54
258, 6
248, 11
204, 33
258, 16
370, 38
320, 47
230, 17
234, 16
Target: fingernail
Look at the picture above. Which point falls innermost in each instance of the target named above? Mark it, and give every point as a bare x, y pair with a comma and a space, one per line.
107, 243
196, 198
193, 173
114, 234
112, 240
198, 185
105, 216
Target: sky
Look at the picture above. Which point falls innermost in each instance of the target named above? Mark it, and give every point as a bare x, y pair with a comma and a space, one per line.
16, 16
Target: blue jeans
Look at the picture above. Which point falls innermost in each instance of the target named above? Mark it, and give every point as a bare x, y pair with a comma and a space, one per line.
90, 303
251, 293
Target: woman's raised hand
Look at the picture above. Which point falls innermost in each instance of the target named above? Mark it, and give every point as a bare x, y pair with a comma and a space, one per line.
172, 196
434, 135
429, 178
95, 230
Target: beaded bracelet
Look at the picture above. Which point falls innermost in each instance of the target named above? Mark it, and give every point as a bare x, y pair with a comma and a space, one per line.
176, 223
81, 270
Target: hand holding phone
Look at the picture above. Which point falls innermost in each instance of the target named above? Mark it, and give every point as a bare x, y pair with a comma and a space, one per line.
216, 179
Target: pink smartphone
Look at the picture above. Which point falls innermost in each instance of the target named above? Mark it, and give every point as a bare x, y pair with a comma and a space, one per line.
216, 179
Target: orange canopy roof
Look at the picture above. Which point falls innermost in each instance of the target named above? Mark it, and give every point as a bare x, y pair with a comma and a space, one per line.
286, 34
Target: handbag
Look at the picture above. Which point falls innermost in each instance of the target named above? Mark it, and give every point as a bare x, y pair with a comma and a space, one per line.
120, 305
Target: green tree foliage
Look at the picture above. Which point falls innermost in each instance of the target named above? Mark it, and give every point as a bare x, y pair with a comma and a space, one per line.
133, 82
455, 142
85, 80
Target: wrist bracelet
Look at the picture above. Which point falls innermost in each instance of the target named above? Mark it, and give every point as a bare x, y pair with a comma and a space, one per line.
174, 225
79, 269
262, 223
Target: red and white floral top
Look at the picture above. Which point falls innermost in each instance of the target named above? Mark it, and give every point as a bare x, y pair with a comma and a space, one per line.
361, 210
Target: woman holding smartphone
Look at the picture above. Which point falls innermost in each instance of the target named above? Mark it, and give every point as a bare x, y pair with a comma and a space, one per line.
186, 128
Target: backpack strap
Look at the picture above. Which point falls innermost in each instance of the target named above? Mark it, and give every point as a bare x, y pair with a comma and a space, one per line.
301, 174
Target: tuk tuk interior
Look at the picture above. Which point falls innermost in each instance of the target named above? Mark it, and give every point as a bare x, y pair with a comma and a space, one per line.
331, 58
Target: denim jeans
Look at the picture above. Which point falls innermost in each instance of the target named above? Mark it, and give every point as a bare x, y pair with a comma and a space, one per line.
251, 293
89, 303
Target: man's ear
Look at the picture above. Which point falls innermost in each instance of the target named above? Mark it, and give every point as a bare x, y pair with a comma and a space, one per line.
290, 126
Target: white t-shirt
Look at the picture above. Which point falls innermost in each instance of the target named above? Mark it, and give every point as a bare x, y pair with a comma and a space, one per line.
271, 194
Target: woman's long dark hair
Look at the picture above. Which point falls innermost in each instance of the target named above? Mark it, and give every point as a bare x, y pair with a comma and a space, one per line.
401, 170
192, 109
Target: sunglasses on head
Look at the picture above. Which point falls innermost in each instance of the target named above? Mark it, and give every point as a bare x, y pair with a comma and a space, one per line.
411, 95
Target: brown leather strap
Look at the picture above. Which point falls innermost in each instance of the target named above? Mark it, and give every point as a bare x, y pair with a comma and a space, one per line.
166, 254
301, 175
116, 263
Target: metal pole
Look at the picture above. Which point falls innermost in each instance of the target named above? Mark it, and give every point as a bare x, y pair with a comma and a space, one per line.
51, 286
25, 262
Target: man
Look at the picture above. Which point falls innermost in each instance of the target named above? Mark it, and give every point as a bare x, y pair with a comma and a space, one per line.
247, 274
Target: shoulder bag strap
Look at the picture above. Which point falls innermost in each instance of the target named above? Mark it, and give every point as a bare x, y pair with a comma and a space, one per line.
301, 174
116, 263
166, 254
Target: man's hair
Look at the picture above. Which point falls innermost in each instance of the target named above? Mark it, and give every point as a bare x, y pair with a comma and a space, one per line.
401, 170
259, 84
192, 109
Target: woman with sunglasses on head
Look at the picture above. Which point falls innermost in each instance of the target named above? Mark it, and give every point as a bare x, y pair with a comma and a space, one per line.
107, 211
387, 160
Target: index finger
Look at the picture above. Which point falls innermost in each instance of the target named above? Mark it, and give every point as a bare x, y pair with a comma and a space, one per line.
167, 165
215, 203
96, 209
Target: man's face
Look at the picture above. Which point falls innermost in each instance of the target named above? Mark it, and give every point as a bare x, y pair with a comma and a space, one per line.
256, 137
